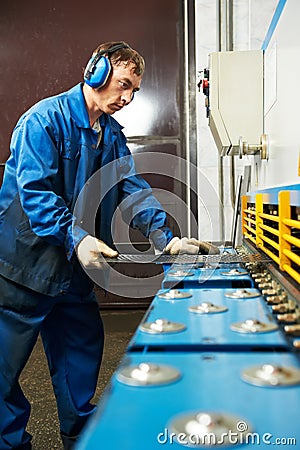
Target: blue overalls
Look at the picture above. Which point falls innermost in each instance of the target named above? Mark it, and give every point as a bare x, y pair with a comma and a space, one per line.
43, 288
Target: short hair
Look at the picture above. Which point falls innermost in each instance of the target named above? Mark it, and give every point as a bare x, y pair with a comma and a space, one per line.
125, 54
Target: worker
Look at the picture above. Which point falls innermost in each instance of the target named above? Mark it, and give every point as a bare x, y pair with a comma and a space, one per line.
45, 289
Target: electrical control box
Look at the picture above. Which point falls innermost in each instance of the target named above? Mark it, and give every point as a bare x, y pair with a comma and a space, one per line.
236, 101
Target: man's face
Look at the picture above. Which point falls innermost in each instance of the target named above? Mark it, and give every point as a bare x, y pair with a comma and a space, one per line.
119, 89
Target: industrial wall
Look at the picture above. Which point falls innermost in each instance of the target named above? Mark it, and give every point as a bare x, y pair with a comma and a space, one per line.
44, 47
252, 22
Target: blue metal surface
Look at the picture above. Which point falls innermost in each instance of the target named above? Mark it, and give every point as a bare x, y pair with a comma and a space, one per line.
208, 278
273, 23
138, 418
271, 194
210, 357
208, 330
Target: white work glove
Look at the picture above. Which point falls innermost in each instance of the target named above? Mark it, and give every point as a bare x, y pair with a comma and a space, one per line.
191, 246
90, 252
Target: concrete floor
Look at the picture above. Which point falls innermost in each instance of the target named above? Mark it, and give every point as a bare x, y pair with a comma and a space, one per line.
35, 380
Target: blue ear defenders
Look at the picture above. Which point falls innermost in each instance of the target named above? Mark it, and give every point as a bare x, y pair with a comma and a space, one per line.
98, 68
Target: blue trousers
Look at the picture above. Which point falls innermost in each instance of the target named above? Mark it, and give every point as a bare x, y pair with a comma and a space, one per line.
72, 334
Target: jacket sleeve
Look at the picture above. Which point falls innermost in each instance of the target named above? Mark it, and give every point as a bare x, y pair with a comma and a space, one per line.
139, 208
37, 159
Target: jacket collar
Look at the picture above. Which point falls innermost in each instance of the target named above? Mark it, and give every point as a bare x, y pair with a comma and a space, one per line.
79, 112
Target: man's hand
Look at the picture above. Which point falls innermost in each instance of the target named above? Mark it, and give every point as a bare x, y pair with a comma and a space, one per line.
90, 251
191, 246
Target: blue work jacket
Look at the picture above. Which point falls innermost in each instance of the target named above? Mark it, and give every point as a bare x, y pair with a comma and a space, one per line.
54, 154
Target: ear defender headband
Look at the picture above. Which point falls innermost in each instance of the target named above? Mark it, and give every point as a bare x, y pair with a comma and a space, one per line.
99, 67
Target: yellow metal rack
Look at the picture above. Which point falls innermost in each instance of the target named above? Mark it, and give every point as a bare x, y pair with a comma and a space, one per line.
271, 221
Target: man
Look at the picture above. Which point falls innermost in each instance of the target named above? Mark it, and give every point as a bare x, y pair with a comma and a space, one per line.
56, 147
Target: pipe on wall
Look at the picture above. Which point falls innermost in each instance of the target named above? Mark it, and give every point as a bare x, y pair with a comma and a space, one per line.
225, 43
189, 113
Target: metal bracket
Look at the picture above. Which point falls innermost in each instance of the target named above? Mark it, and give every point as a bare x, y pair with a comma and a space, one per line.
249, 149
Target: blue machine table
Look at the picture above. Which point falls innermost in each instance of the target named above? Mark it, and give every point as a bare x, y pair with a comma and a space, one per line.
203, 330
215, 362
211, 274
230, 275
210, 386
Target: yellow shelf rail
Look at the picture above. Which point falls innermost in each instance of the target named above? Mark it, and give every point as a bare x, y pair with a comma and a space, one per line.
274, 233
